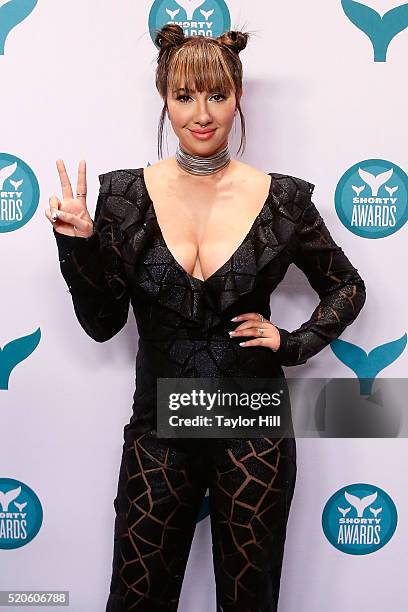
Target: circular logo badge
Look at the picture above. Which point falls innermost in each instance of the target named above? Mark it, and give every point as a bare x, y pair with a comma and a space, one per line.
21, 514
19, 193
371, 198
359, 519
196, 17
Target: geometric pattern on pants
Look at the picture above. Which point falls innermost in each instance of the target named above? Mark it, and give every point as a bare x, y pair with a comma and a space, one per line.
162, 483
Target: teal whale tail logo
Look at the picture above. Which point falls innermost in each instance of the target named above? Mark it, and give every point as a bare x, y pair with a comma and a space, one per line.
14, 353
366, 366
380, 30
12, 13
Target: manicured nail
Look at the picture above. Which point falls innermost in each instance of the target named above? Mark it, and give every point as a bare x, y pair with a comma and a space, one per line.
242, 343
231, 333
234, 319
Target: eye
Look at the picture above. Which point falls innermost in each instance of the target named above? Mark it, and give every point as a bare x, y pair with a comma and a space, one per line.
219, 95
182, 98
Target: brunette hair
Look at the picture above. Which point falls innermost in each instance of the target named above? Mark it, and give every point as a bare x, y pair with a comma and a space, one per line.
199, 63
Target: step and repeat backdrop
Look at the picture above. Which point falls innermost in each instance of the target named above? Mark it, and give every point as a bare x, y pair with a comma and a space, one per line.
325, 99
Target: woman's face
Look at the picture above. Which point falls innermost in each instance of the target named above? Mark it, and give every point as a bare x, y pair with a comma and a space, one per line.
197, 112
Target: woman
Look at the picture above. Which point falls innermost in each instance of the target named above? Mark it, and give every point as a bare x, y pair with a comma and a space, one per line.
197, 243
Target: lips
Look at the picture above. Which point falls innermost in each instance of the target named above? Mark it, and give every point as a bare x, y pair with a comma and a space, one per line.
202, 131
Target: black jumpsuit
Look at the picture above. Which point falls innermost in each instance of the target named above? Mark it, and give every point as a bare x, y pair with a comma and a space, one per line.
183, 325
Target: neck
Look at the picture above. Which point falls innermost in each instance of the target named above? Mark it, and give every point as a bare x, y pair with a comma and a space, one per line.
197, 164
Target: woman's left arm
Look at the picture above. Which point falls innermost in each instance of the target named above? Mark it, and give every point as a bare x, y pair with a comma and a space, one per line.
341, 289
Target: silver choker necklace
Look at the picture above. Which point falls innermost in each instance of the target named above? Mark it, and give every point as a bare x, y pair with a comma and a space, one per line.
196, 164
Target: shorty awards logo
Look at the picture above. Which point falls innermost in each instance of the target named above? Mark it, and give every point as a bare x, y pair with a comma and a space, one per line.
196, 17
359, 519
21, 514
371, 198
19, 193
13, 12
380, 29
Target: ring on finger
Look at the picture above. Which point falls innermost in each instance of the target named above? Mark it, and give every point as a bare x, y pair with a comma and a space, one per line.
261, 317
261, 330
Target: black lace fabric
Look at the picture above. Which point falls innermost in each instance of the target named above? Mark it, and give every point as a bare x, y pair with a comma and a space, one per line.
183, 325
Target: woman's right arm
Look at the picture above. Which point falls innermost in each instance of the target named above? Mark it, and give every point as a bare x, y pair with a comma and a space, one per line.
93, 270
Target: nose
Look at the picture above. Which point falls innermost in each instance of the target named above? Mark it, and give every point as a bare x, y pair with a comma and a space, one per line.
203, 115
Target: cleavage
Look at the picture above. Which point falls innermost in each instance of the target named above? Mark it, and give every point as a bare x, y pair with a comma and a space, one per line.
212, 238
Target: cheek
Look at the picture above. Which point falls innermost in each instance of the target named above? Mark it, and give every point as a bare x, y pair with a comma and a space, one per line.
228, 115
177, 115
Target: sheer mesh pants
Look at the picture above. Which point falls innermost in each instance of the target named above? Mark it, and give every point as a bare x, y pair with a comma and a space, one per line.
162, 483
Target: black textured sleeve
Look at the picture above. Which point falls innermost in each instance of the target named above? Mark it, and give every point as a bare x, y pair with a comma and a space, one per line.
341, 290
94, 272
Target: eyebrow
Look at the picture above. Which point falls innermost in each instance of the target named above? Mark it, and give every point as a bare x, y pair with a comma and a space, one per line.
192, 90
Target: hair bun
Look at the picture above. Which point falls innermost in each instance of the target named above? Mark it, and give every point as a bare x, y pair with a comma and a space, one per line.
170, 35
234, 40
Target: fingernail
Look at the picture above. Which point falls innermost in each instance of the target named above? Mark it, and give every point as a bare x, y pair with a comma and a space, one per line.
234, 319
231, 333
241, 343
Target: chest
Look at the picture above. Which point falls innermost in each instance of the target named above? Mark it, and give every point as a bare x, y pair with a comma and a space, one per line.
203, 230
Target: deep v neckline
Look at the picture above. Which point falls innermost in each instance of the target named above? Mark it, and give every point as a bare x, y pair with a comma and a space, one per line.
234, 254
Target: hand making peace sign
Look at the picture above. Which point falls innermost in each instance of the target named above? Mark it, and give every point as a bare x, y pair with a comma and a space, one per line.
71, 216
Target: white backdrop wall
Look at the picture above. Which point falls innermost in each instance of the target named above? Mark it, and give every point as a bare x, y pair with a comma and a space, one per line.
78, 83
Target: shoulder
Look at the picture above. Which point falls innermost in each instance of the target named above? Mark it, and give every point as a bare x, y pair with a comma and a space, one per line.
292, 193
122, 193
291, 188
248, 173
163, 165
119, 182
293, 185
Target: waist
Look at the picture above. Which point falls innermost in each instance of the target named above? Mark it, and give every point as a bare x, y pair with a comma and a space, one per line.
217, 355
